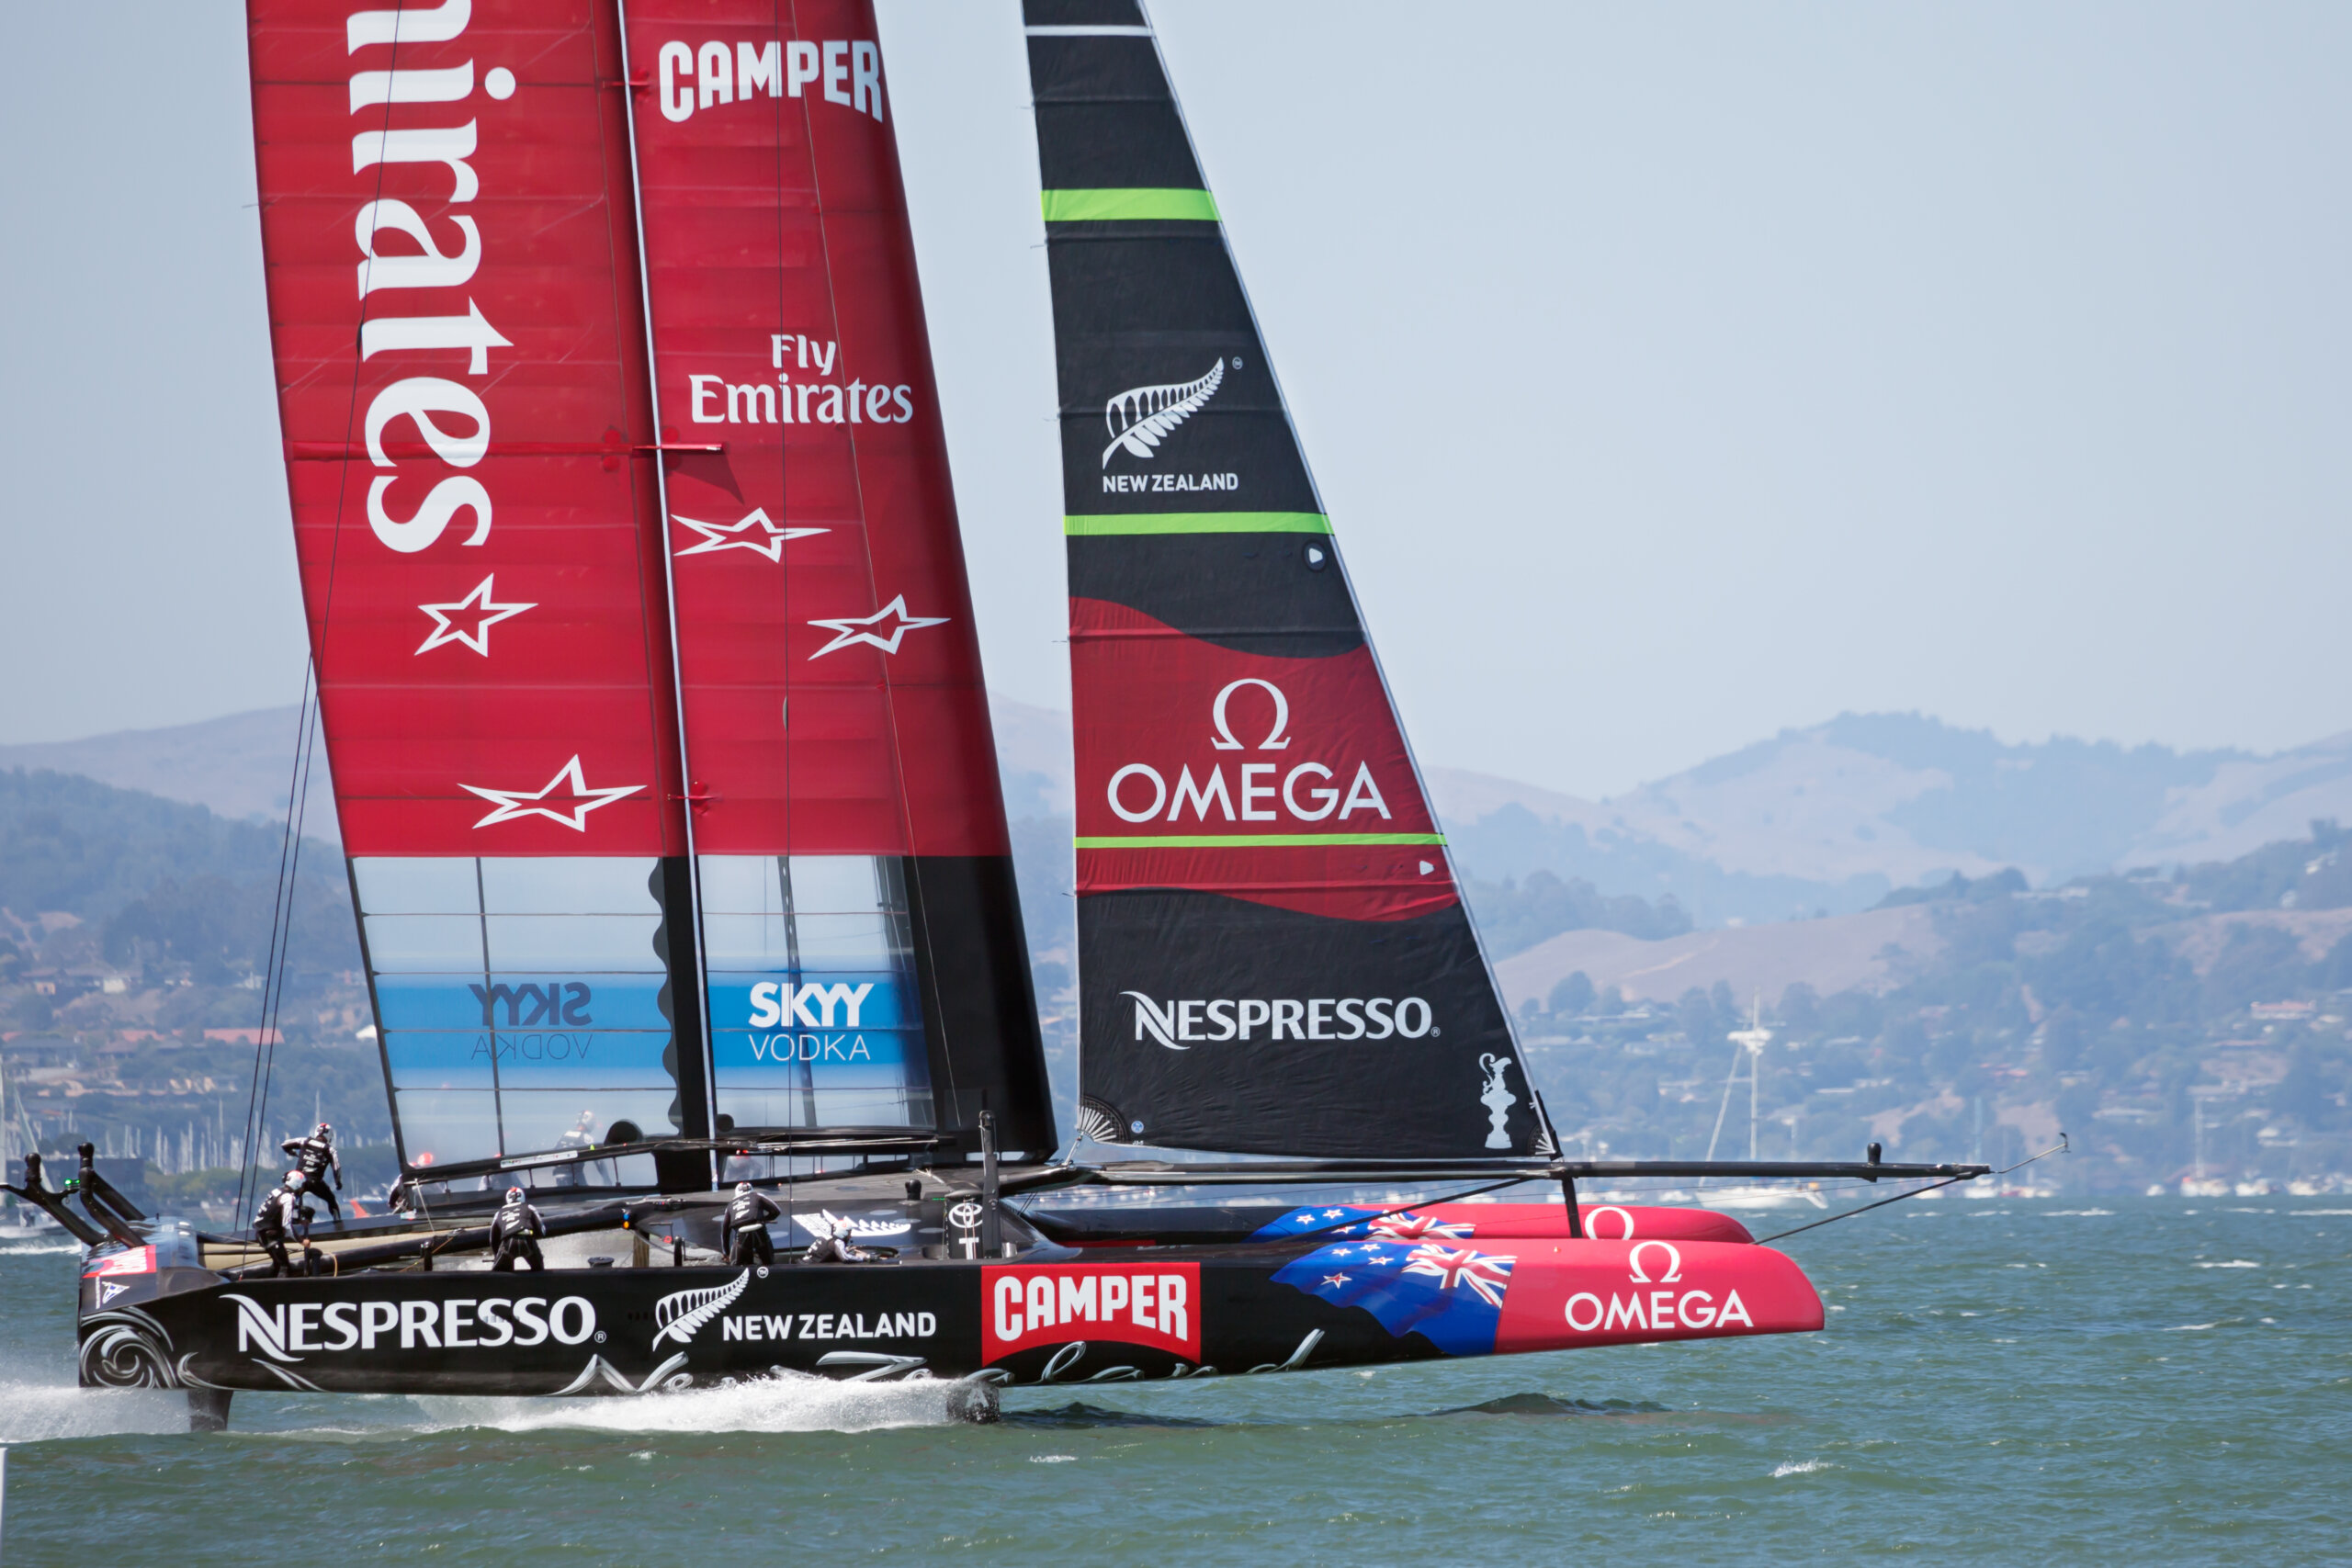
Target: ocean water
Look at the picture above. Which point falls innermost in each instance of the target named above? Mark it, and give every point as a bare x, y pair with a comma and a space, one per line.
2146, 1380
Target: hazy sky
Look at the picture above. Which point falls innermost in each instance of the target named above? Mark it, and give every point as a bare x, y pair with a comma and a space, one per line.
1672, 374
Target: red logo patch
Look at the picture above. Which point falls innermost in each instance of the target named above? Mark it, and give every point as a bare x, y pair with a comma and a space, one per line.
1157, 1305
137, 1260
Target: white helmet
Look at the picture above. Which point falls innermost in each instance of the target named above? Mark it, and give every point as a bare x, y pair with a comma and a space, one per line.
513, 1195
293, 1180
742, 1189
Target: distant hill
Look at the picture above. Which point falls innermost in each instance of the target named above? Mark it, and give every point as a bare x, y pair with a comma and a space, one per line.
1832, 818
1874, 951
156, 882
1821, 820
238, 767
78, 847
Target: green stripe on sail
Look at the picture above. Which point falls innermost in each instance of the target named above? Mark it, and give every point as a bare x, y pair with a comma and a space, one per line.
1129, 206
1197, 522
1255, 841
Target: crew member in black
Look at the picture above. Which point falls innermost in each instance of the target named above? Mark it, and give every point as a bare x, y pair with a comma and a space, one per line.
747, 1227
315, 1156
515, 1234
283, 1216
833, 1244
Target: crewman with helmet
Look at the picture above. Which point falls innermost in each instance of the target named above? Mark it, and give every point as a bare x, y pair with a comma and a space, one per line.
284, 1217
515, 1235
315, 1156
747, 1227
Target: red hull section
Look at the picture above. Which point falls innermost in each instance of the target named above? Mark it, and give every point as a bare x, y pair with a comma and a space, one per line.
1604, 1222
1573, 1294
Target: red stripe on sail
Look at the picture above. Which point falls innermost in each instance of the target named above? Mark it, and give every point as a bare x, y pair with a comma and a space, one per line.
1340, 884
1186, 740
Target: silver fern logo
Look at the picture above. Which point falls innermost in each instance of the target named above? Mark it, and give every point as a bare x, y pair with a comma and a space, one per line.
1141, 417
681, 1314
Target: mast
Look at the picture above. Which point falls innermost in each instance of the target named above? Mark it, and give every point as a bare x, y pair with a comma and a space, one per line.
700, 1117
1274, 952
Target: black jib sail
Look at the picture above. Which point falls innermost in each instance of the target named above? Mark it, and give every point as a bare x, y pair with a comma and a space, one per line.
1273, 953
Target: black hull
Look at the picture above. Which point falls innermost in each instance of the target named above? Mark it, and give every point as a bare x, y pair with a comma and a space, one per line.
599, 1331
1049, 1315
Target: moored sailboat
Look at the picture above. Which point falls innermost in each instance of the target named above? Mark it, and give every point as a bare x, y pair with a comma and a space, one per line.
646, 668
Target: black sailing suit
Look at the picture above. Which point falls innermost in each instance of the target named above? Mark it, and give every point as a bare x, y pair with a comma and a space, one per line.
747, 1228
314, 1157
282, 1215
514, 1234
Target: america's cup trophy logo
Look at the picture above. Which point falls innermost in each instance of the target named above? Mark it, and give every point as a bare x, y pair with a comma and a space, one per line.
1495, 1099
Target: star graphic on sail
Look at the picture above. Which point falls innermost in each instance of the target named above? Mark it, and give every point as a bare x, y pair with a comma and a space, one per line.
882, 629
514, 804
468, 620
769, 540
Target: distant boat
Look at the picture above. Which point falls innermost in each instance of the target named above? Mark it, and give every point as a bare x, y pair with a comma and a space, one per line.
1748, 1051
1758, 1196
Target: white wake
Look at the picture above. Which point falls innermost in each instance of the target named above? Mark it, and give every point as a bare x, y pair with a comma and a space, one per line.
47, 1412
784, 1402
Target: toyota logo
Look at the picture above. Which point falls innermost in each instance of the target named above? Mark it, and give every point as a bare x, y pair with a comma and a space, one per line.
965, 1215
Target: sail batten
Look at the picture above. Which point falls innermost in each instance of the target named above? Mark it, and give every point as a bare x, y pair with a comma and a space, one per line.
1273, 951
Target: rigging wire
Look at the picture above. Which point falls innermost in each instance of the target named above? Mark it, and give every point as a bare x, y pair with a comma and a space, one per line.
2058, 1148
281, 923
305, 746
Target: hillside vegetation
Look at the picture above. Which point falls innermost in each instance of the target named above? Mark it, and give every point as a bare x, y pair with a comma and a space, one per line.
2122, 1010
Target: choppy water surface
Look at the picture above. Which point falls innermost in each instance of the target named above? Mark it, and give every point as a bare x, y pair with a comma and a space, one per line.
2004, 1381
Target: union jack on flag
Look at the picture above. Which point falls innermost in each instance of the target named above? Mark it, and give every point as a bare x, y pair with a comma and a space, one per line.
1410, 1226
1405, 1226
1485, 1272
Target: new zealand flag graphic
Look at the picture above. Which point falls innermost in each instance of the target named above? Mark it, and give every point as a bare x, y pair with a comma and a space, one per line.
1452, 1296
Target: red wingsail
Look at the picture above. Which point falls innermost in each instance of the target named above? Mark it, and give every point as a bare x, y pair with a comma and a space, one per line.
455, 316
454, 311
863, 943
831, 669
483, 411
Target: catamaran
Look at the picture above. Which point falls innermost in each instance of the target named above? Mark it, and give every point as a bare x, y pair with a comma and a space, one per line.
646, 667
